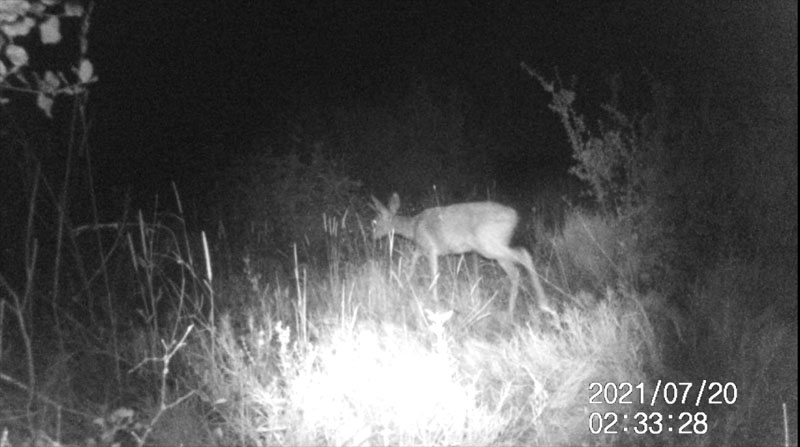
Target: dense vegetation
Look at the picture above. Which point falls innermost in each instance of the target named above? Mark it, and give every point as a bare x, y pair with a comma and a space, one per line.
276, 319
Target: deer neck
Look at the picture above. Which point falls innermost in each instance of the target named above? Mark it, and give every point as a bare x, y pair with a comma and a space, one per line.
404, 226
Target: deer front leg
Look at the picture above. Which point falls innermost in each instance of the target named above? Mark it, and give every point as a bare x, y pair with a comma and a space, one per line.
413, 265
433, 260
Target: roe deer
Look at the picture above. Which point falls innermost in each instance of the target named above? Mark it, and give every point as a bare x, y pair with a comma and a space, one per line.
481, 227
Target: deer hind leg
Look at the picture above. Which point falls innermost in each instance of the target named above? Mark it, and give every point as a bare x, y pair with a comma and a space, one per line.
513, 273
524, 258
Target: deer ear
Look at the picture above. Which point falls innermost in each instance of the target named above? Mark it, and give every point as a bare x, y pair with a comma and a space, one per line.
376, 204
394, 203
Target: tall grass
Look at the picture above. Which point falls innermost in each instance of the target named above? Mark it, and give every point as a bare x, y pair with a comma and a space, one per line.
385, 364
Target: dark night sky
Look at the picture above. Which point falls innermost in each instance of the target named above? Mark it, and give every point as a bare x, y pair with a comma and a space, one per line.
184, 85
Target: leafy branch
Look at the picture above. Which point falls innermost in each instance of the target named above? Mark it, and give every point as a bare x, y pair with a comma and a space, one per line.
18, 19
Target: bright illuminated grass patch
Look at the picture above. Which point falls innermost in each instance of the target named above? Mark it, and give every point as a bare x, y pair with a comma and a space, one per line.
388, 385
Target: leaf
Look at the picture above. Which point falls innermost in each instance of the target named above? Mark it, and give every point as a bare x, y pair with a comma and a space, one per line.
86, 71
50, 30
17, 55
10, 10
72, 9
46, 104
18, 28
50, 83
37, 9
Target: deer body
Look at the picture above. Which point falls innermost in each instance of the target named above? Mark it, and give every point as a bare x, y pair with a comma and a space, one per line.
485, 228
